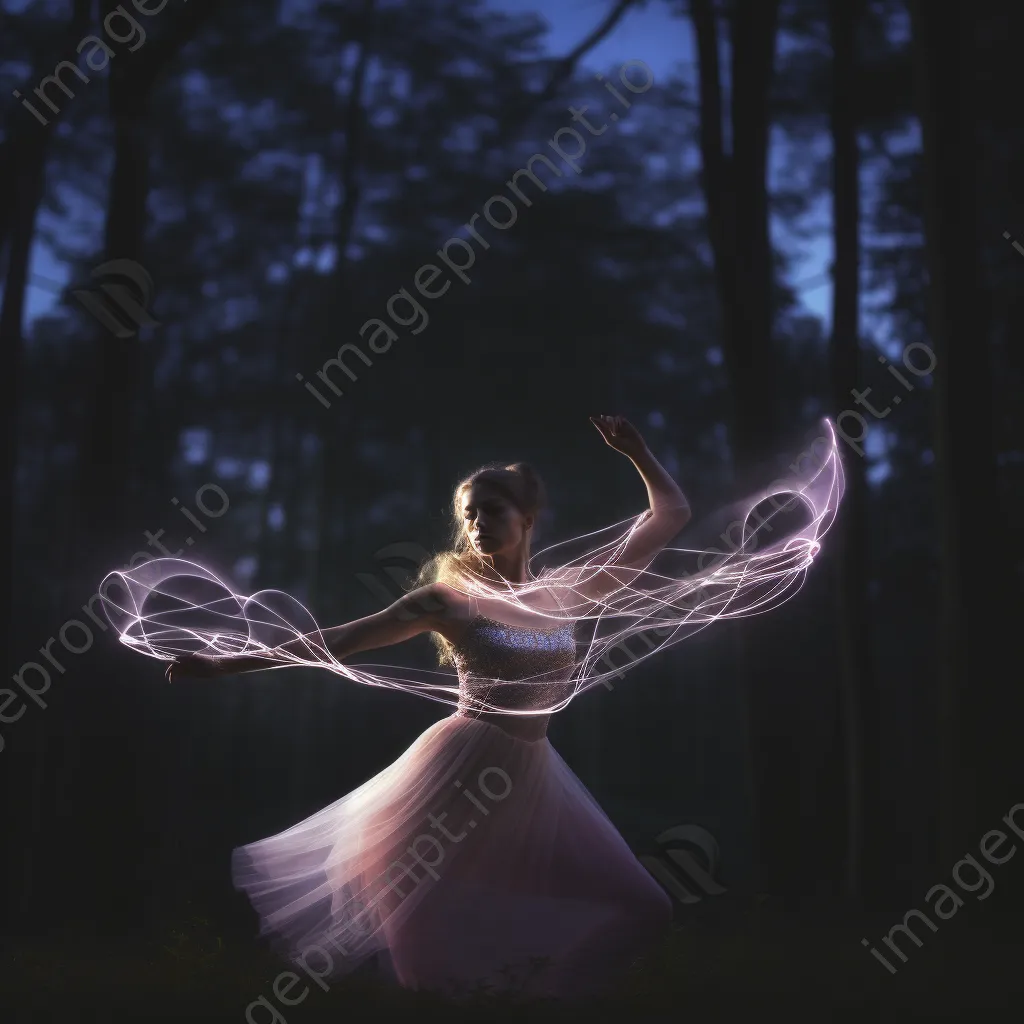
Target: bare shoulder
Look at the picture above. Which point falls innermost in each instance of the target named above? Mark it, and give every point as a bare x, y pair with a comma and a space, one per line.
451, 605
453, 610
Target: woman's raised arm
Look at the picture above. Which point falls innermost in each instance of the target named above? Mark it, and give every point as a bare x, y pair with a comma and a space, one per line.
420, 611
668, 513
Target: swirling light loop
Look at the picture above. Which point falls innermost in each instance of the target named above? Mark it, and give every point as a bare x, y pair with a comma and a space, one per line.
173, 607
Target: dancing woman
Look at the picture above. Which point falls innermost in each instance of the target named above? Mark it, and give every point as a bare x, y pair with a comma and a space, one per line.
478, 858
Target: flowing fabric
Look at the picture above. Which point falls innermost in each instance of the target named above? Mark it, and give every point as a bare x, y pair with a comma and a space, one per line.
478, 859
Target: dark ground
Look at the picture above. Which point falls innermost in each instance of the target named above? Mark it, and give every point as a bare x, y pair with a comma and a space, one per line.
726, 961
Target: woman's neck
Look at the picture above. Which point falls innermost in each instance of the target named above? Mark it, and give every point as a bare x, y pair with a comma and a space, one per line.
507, 568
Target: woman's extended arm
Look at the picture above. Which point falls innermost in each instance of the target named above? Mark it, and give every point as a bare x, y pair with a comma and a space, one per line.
419, 611
668, 513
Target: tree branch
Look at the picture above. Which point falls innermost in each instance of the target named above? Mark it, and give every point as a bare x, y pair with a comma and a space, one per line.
564, 67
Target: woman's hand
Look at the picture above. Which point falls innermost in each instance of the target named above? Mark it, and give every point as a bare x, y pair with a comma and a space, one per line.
192, 666
621, 435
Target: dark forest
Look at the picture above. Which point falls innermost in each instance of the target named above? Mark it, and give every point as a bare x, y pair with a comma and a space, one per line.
277, 276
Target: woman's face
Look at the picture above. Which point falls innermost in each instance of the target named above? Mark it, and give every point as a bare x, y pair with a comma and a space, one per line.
492, 523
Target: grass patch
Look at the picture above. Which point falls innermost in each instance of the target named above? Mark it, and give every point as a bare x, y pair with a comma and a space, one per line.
752, 960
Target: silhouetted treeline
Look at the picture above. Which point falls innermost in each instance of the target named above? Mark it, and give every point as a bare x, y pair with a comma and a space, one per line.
311, 191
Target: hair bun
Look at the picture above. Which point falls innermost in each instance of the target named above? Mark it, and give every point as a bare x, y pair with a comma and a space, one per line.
531, 478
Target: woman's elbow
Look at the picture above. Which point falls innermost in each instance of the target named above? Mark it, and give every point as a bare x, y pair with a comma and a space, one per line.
671, 518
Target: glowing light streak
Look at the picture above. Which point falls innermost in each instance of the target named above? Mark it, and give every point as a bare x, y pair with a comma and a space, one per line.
173, 607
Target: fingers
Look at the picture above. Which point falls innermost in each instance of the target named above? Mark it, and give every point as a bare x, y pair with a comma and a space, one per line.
620, 425
611, 426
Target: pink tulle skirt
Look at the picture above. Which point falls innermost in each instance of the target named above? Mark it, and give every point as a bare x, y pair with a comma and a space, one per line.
476, 861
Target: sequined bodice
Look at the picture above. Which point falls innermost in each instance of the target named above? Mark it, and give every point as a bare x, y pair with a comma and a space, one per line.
521, 668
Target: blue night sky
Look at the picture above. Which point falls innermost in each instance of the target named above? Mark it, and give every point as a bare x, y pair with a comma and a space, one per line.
665, 42
652, 35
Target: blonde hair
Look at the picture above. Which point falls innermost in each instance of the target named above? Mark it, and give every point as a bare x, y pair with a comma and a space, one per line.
523, 487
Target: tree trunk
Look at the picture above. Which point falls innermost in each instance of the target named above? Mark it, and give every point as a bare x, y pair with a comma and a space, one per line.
749, 348
736, 196
22, 180
29, 176
969, 599
26, 138
332, 425
109, 460
859, 708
